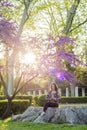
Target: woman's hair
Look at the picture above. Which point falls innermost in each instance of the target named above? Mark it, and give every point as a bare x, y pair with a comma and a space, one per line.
56, 87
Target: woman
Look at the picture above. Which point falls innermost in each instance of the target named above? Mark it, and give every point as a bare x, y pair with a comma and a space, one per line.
52, 98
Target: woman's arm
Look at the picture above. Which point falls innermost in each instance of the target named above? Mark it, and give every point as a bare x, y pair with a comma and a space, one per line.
56, 96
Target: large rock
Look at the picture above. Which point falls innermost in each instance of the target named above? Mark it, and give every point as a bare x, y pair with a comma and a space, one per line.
29, 115
70, 115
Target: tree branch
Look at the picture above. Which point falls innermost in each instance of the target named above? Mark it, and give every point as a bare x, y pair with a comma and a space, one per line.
17, 86
4, 85
78, 25
24, 85
24, 17
70, 16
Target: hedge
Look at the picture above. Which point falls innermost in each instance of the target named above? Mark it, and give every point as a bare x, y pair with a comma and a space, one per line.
2, 97
40, 100
18, 106
73, 100
23, 97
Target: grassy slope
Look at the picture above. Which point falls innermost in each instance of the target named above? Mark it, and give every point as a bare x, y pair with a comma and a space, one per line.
8, 125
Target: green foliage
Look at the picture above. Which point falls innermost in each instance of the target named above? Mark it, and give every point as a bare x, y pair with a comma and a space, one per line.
23, 97
1, 90
3, 104
40, 100
73, 100
2, 97
35, 100
81, 74
18, 106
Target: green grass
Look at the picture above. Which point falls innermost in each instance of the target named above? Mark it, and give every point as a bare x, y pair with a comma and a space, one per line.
11, 125
73, 105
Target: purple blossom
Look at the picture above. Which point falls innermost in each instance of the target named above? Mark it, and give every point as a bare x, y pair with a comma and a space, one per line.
64, 75
71, 58
65, 40
53, 71
6, 3
62, 40
8, 31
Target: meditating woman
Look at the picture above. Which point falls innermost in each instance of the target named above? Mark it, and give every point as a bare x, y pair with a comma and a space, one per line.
52, 98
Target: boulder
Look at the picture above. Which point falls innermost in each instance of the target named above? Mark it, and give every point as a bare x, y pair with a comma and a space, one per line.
72, 115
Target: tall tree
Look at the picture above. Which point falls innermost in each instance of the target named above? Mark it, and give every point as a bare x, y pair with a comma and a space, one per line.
12, 41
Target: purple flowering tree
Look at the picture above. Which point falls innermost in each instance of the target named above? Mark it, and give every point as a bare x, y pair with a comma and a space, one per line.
53, 59
10, 34
50, 55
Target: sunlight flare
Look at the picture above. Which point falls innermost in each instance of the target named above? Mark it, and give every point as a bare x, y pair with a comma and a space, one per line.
29, 58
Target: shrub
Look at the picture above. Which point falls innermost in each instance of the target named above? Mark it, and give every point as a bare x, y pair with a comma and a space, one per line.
3, 104
24, 97
2, 97
73, 100
35, 100
18, 106
40, 100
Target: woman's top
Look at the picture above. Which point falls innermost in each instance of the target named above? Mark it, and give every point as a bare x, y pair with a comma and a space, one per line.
53, 96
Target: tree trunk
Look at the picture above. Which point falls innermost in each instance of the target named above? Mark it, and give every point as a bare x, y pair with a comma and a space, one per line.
10, 74
8, 109
11, 59
70, 16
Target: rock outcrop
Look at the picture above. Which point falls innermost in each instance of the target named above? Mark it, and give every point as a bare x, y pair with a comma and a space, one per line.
70, 115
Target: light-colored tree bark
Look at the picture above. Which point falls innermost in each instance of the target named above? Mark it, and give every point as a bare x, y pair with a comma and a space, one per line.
12, 59
70, 16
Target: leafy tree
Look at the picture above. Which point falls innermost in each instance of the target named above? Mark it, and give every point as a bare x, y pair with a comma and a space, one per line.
10, 34
47, 62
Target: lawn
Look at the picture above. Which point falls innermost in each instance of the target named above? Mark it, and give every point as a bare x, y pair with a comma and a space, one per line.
14, 125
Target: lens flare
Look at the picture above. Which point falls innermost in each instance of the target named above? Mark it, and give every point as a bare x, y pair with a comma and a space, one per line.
60, 76
29, 58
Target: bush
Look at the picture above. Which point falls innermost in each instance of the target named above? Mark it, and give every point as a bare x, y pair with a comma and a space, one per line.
24, 97
2, 97
18, 106
73, 100
3, 104
40, 100
35, 100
